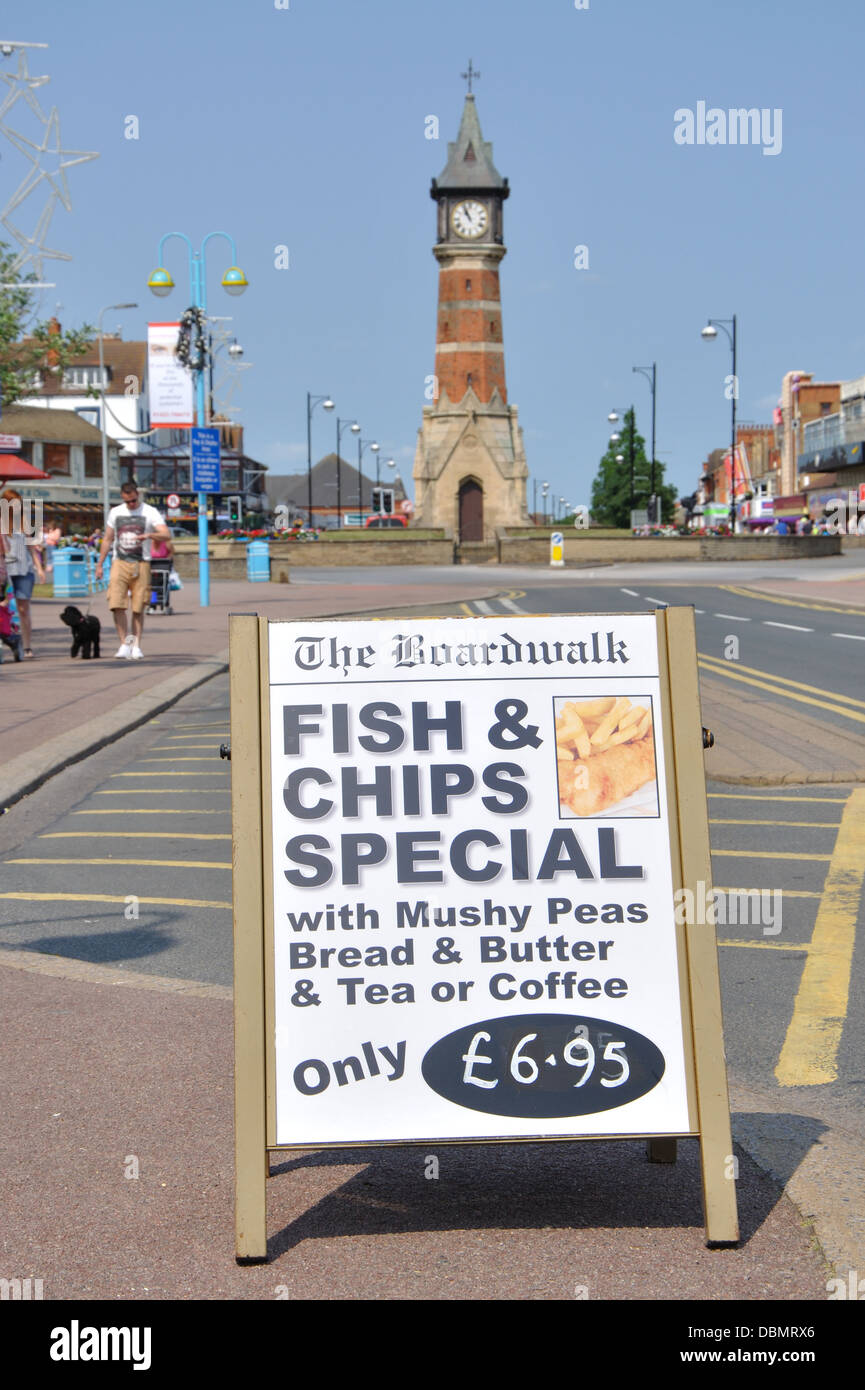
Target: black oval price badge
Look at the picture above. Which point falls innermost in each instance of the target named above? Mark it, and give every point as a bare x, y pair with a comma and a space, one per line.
540, 1066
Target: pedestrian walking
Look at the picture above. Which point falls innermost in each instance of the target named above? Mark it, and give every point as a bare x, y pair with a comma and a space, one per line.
128, 531
23, 562
50, 542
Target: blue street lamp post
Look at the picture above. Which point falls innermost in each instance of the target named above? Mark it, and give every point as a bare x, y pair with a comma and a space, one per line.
233, 282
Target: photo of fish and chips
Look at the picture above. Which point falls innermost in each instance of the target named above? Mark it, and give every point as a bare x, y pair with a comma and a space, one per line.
605, 752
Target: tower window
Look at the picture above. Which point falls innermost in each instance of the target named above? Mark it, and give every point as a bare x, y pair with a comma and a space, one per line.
468, 284
468, 379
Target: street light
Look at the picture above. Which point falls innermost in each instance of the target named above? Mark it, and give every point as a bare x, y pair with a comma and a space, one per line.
653, 384
311, 402
545, 487
106, 502
615, 438
161, 284
340, 427
361, 445
709, 333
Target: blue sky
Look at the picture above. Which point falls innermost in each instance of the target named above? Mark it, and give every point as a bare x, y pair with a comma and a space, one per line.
304, 127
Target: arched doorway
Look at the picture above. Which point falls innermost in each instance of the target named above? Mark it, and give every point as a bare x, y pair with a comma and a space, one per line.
471, 510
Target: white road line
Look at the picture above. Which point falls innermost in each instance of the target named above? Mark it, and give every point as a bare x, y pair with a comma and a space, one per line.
853, 636
792, 626
482, 605
514, 607
629, 591
731, 617
662, 603
699, 610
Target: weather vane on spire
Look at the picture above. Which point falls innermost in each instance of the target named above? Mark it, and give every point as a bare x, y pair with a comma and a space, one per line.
467, 76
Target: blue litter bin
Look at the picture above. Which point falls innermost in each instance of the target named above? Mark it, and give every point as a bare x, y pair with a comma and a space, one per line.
71, 573
98, 586
258, 562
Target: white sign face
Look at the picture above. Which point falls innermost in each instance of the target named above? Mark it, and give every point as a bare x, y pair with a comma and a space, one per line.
10, 441
474, 929
169, 384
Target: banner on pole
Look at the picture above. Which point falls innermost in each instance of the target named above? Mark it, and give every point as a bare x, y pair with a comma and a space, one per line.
169, 384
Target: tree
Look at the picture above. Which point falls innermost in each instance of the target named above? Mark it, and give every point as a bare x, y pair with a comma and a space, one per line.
611, 489
42, 349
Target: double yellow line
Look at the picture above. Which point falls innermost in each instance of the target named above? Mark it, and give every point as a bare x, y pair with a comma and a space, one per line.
804, 694
792, 602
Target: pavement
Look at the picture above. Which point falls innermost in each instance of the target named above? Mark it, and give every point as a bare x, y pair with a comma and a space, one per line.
54, 711
117, 1158
116, 1145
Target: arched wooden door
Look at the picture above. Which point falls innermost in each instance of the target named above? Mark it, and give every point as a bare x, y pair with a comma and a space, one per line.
471, 510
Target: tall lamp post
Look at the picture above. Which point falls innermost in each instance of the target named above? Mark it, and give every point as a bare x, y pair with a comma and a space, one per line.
341, 426
709, 333
361, 445
106, 498
311, 402
233, 282
652, 378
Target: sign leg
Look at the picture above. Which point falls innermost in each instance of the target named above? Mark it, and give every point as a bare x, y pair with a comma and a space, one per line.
250, 1141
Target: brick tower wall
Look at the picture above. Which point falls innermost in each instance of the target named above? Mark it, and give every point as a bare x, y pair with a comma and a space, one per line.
469, 333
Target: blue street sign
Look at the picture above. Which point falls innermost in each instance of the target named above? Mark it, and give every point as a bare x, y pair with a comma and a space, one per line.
204, 458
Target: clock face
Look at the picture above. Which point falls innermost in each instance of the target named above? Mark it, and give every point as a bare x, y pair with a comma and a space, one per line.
470, 219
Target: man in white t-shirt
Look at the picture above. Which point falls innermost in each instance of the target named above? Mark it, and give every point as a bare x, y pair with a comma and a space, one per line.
129, 529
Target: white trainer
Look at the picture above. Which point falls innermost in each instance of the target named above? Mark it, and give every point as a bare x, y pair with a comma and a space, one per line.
136, 654
125, 648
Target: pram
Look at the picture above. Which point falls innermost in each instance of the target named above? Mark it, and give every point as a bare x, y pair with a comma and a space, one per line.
10, 628
160, 588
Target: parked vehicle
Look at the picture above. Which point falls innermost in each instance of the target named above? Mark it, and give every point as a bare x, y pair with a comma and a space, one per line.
385, 521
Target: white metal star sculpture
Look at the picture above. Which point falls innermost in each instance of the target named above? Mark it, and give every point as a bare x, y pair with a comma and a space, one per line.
21, 84
48, 158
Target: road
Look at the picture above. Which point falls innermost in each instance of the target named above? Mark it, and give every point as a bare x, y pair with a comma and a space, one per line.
125, 860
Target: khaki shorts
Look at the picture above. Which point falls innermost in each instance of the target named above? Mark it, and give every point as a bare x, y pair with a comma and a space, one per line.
129, 577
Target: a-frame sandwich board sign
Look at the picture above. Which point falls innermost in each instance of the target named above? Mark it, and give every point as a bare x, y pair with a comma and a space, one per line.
468, 859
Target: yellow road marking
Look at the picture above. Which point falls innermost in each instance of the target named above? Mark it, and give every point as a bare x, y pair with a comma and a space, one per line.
176, 774
783, 680
138, 811
129, 835
809, 1056
788, 892
791, 602
749, 796
108, 898
768, 854
766, 945
807, 824
778, 690
150, 863
469, 612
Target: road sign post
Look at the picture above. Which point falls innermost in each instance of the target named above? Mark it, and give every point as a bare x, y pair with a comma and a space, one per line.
467, 906
204, 460
557, 550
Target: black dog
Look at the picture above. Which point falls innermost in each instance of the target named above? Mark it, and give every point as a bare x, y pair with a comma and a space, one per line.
85, 632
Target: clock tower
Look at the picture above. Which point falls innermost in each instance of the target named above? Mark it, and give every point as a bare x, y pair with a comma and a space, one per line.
470, 468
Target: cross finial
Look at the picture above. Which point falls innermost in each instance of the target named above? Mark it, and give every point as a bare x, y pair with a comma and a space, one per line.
468, 76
